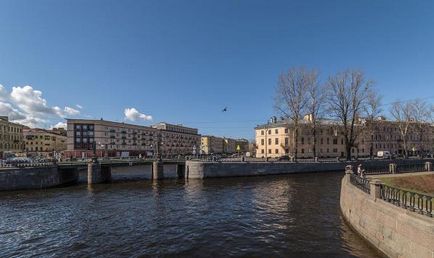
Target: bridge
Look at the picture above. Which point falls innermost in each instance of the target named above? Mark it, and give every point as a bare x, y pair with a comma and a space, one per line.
94, 171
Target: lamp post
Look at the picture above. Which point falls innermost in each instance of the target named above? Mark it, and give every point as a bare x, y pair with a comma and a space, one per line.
194, 150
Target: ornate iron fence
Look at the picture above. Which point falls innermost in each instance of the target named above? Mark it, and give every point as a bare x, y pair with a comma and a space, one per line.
361, 183
412, 201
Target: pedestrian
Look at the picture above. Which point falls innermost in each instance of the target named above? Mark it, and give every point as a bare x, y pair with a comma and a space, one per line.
359, 170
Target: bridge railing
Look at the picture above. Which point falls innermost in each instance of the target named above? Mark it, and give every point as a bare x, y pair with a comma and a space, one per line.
4, 164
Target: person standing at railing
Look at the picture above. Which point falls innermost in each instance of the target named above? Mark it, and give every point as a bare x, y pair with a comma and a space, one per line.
359, 169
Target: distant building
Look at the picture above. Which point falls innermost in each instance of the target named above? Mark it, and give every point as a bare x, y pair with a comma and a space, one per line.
121, 139
11, 137
222, 145
277, 138
44, 142
211, 145
178, 139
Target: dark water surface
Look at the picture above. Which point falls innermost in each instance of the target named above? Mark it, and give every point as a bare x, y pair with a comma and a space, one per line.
274, 216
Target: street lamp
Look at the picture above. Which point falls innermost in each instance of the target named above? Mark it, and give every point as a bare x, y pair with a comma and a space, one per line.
194, 150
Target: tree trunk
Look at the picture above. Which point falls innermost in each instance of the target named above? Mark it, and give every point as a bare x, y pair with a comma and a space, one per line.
295, 142
314, 142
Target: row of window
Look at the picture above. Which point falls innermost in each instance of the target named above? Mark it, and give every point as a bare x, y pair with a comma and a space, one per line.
302, 150
276, 141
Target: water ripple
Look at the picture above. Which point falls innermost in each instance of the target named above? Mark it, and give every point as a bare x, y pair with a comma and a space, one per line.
279, 216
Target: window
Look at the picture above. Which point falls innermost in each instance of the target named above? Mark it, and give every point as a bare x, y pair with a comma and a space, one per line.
269, 131
269, 141
276, 151
262, 151
302, 140
335, 141
262, 132
302, 150
342, 141
276, 141
322, 142
276, 131
286, 130
269, 151
286, 141
262, 141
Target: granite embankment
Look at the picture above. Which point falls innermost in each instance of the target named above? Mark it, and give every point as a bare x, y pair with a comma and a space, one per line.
205, 169
36, 178
395, 231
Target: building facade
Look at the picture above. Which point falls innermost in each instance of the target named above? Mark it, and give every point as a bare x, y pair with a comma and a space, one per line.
11, 137
178, 139
116, 139
41, 142
277, 138
222, 145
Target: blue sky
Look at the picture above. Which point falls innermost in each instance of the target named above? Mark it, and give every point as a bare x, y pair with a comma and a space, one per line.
184, 61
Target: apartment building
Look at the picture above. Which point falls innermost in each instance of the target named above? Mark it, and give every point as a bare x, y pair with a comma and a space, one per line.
42, 142
277, 138
211, 145
121, 139
11, 137
178, 139
220, 145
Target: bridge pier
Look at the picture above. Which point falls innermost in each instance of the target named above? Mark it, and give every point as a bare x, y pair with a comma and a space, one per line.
96, 173
157, 170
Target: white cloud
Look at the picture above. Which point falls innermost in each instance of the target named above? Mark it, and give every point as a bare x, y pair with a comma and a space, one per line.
133, 114
27, 106
11, 112
59, 125
71, 111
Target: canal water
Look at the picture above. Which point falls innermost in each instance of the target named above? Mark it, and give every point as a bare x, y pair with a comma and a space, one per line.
271, 216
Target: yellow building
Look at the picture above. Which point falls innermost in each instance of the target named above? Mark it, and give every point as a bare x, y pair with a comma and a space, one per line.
277, 138
211, 145
220, 145
44, 142
11, 137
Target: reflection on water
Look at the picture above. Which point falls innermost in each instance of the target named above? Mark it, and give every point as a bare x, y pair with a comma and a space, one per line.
288, 216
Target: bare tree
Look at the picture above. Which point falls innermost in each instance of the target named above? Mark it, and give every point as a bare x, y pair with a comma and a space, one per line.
372, 110
402, 113
292, 99
346, 99
422, 112
315, 107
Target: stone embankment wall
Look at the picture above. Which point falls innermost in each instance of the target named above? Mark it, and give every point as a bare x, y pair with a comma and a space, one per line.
395, 231
36, 178
199, 169
204, 169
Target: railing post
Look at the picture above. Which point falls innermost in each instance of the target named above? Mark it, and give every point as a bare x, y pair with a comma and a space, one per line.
375, 188
348, 171
428, 166
392, 168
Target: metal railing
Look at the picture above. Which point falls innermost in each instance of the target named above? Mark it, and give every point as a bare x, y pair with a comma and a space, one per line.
26, 165
360, 182
408, 168
412, 201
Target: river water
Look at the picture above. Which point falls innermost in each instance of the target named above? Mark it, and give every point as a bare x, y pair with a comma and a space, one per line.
270, 216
